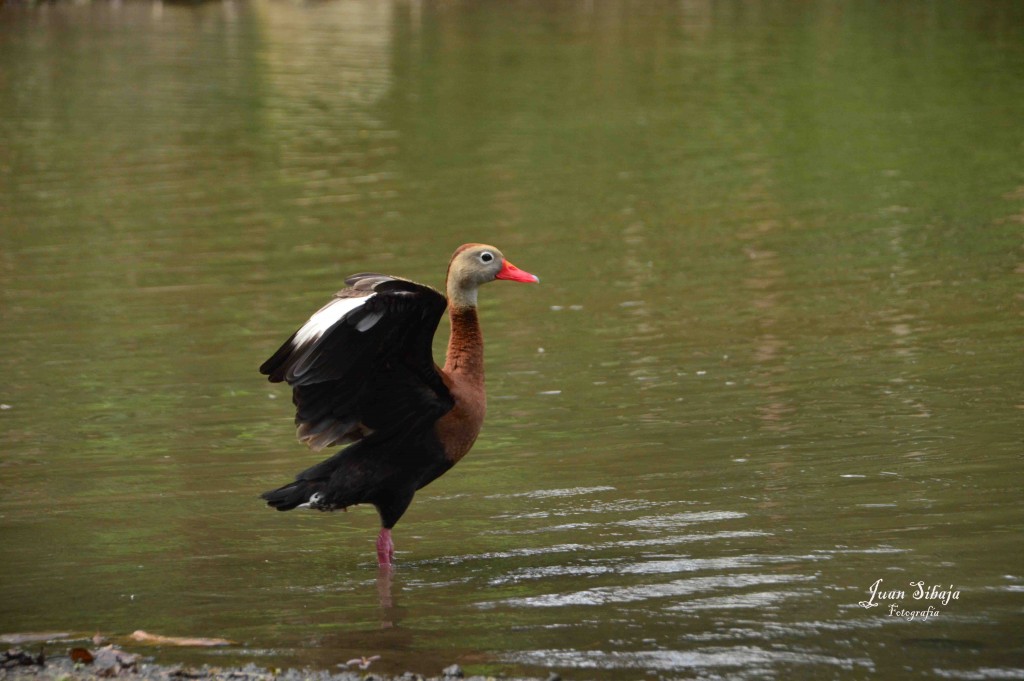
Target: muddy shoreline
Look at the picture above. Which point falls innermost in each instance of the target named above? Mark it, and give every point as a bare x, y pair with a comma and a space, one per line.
20, 664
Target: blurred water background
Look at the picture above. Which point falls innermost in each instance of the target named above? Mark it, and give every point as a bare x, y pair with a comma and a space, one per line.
775, 357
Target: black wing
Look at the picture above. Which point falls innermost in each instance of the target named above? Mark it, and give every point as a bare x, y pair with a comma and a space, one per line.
363, 362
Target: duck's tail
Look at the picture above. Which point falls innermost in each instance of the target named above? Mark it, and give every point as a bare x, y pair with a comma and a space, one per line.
309, 490
298, 494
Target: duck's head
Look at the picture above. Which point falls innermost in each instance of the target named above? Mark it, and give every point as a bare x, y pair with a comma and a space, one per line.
475, 264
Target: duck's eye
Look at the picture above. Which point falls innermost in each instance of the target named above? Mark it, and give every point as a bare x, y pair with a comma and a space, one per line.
486, 256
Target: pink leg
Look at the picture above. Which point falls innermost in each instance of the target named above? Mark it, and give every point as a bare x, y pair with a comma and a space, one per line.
385, 548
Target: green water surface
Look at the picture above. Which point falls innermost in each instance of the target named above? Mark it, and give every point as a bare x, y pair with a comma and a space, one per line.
775, 356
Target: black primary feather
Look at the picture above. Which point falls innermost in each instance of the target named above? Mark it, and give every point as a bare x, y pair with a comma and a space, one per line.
370, 367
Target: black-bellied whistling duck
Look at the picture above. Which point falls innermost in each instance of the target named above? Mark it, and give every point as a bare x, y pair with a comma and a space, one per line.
362, 372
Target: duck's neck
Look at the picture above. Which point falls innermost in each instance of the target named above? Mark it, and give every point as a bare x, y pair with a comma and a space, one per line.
466, 345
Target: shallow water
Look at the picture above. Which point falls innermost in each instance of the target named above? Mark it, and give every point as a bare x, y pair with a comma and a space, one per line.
775, 357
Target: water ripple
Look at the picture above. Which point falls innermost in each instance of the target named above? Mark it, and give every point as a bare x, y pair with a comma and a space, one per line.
618, 594
578, 548
981, 673
549, 493
652, 567
751, 658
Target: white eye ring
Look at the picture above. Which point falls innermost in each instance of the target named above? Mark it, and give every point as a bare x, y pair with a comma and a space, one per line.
486, 256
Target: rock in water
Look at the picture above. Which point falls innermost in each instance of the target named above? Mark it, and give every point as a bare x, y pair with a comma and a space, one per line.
453, 672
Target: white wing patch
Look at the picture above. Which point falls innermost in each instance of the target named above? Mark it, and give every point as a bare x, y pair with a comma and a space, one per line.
368, 321
329, 315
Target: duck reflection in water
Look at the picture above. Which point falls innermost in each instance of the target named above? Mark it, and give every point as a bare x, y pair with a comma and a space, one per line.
390, 615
